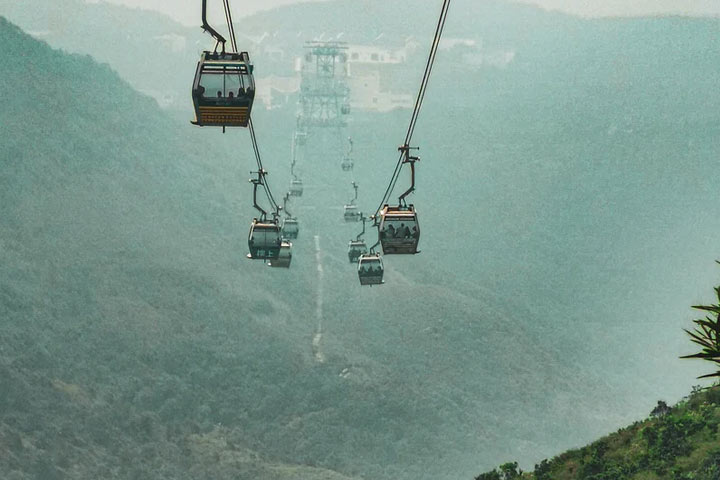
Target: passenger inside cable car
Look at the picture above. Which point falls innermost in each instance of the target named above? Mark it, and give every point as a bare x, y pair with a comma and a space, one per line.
225, 74
399, 230
370, 269
355, 249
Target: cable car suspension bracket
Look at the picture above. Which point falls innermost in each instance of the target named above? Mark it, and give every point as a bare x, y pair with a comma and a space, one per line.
219, 39
407, 158
256, 182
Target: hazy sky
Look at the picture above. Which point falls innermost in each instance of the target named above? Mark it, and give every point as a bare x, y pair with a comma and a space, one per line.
188, 11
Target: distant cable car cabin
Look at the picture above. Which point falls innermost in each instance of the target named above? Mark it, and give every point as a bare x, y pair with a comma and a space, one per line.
296, 187
370, 269
345, 109
300, 138
284, 256
290, 228
346, 164
223, 90
352, 214
399, 230
355, 249
264, 240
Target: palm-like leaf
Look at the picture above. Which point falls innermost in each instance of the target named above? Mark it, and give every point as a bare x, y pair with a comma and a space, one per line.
707, 335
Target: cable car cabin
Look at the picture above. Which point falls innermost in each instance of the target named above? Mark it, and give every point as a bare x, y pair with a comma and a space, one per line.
264, 240
223, 90
290, 228
296, 188
399, 230
284, 257
346, 164
345, 109
370, 269
301, 138
355, 249
352, 214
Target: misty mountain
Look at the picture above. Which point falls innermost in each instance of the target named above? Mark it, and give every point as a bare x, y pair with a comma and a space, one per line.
679, 441
132, 315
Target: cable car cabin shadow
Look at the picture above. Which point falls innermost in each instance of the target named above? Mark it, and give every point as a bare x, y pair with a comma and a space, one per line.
399, 230
223, 90
352, 214
265, 240
370, 269
355, 249
296, 187
284, 256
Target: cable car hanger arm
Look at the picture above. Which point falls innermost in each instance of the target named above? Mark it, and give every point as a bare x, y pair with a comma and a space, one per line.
405, 149
256, 182
418, 101
207, 28
286, 198
357, 239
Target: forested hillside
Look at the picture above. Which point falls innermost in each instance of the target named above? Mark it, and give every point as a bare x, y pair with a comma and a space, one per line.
139, 340
112, 295
675, 443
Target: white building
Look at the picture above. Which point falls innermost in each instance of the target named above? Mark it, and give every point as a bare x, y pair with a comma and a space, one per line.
375, 77
274, 91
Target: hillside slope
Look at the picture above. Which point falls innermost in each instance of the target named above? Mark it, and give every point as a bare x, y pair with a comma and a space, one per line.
133, 320
675, 443
115, 288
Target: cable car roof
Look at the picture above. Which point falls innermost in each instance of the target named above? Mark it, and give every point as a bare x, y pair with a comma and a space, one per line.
265, 226
209, 67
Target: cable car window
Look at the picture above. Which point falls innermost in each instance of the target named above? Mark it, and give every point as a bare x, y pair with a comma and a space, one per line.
219, 84
234, 82
212, 85
400, 229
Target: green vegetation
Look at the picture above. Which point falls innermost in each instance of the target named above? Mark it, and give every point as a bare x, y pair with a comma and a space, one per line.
707, 335
675, 443
678, 443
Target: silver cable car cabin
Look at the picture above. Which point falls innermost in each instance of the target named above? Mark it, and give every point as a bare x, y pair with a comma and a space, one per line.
290, 228
351, 212
265, 237
347, 161
284, 256
290, 224
399, 230
358, 246
370, 269
296, 187
264, 240
223, 89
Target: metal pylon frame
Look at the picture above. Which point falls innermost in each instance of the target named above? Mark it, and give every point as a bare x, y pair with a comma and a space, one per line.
324, 92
